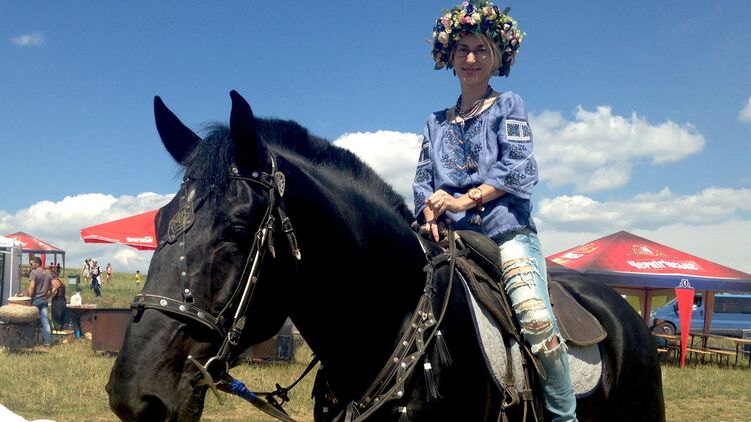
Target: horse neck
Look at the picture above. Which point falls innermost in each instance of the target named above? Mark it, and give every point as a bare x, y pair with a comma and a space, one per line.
359, 278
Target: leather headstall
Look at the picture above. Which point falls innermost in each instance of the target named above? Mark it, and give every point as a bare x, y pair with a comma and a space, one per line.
226, 328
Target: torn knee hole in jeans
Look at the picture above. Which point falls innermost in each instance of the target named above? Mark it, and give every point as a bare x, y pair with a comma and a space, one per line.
536, 322
533, 316
548, 347
549, 343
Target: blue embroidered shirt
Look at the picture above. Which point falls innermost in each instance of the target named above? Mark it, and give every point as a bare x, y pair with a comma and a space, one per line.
495, 148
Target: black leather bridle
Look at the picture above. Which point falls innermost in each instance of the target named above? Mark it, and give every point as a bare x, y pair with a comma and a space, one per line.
390, 382
275, 183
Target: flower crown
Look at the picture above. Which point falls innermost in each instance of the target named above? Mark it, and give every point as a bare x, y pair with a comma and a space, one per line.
476, 17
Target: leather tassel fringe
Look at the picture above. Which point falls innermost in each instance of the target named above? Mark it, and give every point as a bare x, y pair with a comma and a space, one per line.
442, 349
430, 381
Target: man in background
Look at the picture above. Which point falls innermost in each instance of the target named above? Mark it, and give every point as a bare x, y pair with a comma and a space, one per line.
40, 282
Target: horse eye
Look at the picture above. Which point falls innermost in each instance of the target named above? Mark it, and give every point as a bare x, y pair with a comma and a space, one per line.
239, 228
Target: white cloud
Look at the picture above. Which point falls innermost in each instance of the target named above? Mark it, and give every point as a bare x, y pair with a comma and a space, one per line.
647, 211
745, 114
33, 39
393, 155
59, 223
596, 151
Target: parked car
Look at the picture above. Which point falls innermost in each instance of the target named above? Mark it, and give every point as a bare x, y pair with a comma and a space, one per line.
732, 315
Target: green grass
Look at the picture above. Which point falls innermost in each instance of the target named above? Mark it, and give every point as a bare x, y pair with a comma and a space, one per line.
707, 392
66, 383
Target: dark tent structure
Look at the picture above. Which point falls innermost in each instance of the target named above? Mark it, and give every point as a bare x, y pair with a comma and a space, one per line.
633, 265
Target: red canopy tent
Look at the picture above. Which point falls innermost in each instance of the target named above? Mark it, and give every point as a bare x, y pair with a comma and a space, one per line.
638, 266
136, 231
35, 246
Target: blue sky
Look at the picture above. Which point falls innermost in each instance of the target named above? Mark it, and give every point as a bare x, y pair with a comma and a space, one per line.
641, 110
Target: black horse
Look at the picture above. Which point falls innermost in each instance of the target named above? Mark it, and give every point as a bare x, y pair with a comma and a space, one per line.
350, 292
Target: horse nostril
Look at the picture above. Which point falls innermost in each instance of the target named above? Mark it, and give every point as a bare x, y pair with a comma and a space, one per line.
151, 409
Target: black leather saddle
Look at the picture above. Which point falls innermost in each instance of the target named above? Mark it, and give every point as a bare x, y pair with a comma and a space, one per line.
577, 325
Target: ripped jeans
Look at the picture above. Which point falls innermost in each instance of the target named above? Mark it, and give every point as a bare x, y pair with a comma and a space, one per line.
525, 281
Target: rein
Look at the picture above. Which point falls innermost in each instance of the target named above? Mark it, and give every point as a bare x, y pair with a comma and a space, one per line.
179, 226
389, 384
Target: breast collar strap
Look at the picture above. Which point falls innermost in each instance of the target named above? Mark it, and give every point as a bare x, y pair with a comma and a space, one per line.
422, 329
180, 224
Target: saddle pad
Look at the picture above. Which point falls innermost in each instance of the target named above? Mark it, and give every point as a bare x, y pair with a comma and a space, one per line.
585, 362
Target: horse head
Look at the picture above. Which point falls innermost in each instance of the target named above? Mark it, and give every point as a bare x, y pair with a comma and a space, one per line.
198, 311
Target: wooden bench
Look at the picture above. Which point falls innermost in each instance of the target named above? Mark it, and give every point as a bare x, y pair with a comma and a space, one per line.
701, 352
723, 353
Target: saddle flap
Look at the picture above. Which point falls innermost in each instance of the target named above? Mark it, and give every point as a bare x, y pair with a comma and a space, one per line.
577, 324
486, 252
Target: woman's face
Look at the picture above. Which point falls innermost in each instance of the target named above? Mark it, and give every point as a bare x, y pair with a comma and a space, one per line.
472, 60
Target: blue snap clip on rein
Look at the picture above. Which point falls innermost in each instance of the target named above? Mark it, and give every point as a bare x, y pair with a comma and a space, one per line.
239, 389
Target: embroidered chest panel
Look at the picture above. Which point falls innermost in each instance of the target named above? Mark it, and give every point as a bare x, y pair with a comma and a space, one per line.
461, 154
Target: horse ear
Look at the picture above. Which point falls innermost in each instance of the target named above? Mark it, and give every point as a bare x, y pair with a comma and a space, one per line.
176, 137
250, 149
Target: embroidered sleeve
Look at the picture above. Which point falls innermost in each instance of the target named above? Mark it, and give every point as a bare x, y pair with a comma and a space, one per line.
516, 169
422, 187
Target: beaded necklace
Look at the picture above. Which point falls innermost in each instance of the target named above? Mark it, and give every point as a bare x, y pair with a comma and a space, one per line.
476, 106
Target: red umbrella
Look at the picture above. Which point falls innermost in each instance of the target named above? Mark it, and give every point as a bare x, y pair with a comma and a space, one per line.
137, 231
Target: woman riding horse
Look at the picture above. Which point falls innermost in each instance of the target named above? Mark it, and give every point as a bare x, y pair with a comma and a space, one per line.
271, 222
476, 171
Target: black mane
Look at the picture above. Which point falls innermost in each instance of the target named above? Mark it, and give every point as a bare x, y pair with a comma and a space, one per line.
211, 159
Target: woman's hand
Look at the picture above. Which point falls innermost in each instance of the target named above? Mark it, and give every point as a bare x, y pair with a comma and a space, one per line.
440, 202
431, 229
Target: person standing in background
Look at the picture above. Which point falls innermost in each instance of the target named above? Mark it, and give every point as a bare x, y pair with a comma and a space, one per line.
58, 303
85, 270
95, 282
108, 272
137, 278
40, 281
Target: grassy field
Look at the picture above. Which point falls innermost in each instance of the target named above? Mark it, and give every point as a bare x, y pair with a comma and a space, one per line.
118, 293
66, 382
